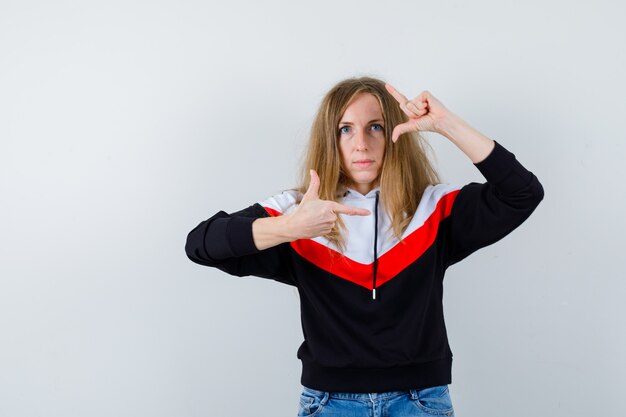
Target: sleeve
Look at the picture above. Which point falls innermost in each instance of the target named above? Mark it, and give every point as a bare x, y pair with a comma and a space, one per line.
484, 213
225, 241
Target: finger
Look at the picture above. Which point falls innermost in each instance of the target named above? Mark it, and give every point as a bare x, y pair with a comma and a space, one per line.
417, 107
413, 110
401, 129
412, 107
407, 111
429, 100
400, 98
426, 96
314, 186
352, 211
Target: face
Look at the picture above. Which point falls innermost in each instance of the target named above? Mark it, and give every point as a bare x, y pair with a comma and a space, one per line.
362, 142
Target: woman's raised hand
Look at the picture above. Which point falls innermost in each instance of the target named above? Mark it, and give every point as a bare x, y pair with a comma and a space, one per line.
425, 113
315, 217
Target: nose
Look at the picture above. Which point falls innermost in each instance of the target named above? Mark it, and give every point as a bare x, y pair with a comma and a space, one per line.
360, 142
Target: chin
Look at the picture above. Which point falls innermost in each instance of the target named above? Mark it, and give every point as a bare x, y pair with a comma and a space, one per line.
364, 181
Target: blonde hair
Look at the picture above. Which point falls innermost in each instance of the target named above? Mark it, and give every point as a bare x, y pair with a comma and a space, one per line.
406, 170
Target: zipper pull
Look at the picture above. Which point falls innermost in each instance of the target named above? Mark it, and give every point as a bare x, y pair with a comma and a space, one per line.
373, 293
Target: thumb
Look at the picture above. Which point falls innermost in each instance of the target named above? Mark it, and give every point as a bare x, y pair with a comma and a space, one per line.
401, 129
312, 192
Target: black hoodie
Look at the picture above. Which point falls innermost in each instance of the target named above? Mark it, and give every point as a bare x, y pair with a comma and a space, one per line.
372, 316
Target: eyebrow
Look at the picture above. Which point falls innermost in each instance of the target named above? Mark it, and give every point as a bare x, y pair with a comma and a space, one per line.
371, 121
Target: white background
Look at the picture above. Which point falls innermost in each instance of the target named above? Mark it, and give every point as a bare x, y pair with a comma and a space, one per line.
123, 124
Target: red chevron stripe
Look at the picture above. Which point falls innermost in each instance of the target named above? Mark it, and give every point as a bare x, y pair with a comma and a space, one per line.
390, 264
272, 212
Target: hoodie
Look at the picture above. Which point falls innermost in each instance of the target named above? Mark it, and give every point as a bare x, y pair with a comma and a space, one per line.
372, 315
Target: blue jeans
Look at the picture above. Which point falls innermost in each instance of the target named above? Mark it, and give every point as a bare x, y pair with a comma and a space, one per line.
433, 401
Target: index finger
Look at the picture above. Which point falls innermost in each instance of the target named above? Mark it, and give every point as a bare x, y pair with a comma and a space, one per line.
352, 211
396, 94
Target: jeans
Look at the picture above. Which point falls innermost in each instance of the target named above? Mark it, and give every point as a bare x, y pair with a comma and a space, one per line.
433, 401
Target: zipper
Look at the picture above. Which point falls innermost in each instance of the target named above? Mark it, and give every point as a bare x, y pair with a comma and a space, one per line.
375, 246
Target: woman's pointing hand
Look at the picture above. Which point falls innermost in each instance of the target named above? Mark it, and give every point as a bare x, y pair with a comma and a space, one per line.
315, 217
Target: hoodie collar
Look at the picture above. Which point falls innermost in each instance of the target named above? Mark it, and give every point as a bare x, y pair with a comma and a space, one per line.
352, 193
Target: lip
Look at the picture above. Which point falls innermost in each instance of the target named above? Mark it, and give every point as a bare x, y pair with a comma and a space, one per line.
363, 162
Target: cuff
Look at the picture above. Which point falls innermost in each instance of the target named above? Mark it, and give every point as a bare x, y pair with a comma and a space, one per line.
503, 170
240, 238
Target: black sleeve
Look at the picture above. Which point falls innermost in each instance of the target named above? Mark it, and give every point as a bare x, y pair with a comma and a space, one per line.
225, 241
484, 213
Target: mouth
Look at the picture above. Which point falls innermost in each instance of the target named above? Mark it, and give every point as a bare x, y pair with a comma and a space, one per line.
363, 162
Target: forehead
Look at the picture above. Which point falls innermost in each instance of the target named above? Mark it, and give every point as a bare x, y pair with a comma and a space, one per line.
364, 106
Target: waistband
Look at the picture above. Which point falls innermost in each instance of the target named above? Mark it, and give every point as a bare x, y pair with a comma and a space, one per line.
356, 395
377, 380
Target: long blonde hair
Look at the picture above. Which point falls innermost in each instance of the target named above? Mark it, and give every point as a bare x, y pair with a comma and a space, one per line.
406, 170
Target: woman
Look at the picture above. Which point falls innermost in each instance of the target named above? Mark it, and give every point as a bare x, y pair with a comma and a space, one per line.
366, 239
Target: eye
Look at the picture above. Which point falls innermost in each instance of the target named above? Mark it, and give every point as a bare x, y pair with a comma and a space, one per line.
377, 127
344, 130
